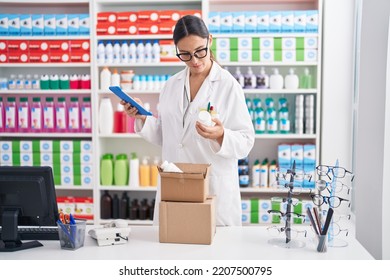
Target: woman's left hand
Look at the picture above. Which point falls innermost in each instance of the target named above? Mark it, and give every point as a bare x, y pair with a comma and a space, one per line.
215, 132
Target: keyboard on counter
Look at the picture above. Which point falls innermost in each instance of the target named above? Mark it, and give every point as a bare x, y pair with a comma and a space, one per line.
37, 233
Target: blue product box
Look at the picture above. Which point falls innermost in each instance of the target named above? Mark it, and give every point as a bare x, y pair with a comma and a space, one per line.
262, 22
275, 21
25, 25
312, 21
61, 24
49, 25
37, 25
309, 180
4, 24
297, 154
299, 21
226, 23
84, 24
309, 154
287, 21
73, 24
250, 22
214, 22
238, 22
13, 25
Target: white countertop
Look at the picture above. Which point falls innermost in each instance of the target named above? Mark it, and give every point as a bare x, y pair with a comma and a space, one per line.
230, 243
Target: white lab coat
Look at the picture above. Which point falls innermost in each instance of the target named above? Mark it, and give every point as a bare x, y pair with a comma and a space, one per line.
182, 143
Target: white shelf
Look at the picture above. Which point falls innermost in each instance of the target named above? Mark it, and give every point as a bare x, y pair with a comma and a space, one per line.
280, 91
46, 91
285, 136
127, 188
46, 135
271, 63
127, 65
81, 37
57, 2
75, 64
146, 2
269, 190
263, 35
74, 188
134, 37
133, 91
120, 135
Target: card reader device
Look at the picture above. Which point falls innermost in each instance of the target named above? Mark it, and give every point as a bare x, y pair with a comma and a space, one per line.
114, 233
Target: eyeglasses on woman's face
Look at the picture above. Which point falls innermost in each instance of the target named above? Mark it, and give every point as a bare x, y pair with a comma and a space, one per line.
186, 56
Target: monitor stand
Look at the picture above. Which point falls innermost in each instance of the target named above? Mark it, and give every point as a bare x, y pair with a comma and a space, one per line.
11, 240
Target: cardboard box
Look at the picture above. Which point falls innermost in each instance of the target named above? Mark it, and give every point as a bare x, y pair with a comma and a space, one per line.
187, 222
191, 186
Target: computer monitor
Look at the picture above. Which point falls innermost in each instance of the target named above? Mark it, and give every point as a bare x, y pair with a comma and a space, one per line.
27, 198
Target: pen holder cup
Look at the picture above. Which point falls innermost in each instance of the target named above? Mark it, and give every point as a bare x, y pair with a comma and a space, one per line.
72, 235
322, 240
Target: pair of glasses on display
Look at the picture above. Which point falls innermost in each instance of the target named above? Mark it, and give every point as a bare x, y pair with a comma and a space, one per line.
337, 186
294, 201
186, 56
336, 230
277, 230
337, 172
332, 201
284, 215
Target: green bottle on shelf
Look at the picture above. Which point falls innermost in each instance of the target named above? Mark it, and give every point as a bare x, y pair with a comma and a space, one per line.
121, 170
107, 170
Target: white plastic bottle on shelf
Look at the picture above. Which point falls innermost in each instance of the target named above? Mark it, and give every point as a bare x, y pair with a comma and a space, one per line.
262, 80
116, 52
109, 53
239, 77
276, 80
291, 81
35, 82
250, 79
20, 82
148, 52
106, 116
101, 55
12, 81
136, 82
134, 171
156, 51
142, 80
140, 56
132, 52
105, 78
115, 78
28, 82
124, 52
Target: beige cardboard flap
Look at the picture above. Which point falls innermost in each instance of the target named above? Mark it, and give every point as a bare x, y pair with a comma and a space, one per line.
191, 171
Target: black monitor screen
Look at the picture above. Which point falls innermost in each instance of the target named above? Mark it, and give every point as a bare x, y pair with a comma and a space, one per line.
28, 193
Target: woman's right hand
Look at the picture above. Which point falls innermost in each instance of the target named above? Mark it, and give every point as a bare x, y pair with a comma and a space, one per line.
132, 111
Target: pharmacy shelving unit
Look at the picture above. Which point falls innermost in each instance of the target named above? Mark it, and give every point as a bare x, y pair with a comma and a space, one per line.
6, 69
266, 145
125, 142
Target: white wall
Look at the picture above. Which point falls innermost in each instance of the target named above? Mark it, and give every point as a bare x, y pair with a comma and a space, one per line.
337, 81
372, 215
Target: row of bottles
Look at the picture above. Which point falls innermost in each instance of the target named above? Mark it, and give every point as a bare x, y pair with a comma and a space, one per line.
270, 119
262, 174
117, 121
275, 80
45, 81
113, 207
124, 52
123, 172
127, 80
48, 116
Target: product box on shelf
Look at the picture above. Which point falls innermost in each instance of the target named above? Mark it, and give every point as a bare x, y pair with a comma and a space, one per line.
49, 25
226, 22
66, 204
13, 25
191, 185
250, 22
25, 25
3, 24
79, 45
262, 22
151, 16
166, 27
168, 51
61, 24
73, 24
312, 21
299, 21
238, 22
84, 208
127, 17
214, 22
84, 24
287, 21
147, 28
106, 28
38, 24
275, 22
169, 15
126, 28
187, 222
107, 17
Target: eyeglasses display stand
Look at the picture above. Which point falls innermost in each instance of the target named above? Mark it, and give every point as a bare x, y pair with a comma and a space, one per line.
288, 242
335, 187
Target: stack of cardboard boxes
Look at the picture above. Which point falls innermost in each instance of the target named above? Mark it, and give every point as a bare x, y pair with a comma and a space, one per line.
187, 212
